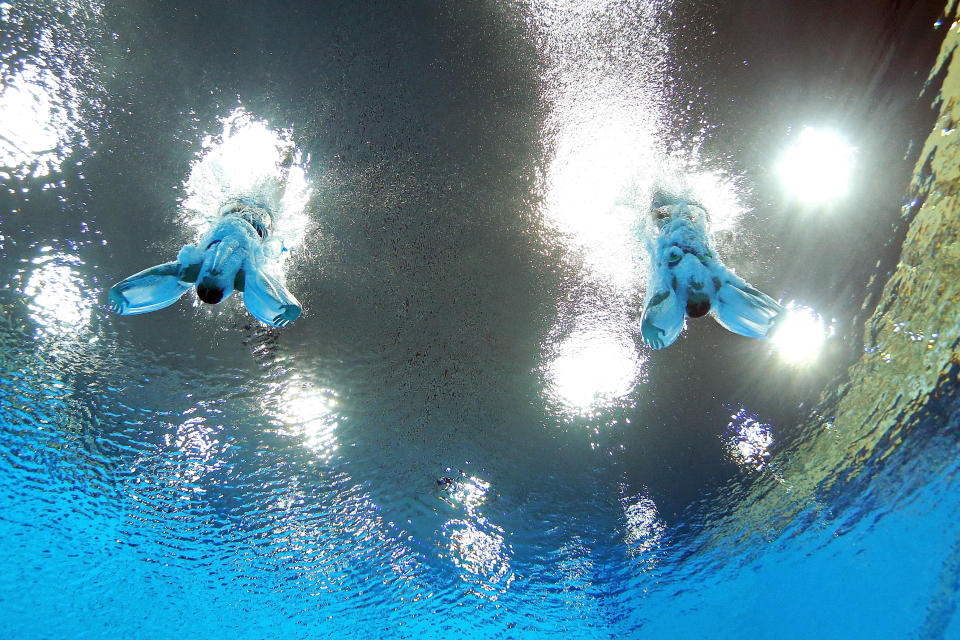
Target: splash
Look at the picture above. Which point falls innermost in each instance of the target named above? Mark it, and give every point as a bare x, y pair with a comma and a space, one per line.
249, 158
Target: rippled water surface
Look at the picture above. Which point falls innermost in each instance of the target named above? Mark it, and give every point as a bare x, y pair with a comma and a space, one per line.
463, 435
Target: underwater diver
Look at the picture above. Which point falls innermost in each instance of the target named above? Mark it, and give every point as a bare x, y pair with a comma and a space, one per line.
688, 280
228, 258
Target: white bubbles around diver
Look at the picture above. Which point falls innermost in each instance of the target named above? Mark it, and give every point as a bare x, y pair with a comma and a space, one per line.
250, 158
817, 167
799, 336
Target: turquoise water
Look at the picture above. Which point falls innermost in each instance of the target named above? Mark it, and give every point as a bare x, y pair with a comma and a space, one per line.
463, 435
124, 534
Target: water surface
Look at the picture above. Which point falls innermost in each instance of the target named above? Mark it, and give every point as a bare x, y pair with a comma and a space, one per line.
463, 435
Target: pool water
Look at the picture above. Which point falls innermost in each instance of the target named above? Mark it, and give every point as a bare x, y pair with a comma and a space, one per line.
464, 435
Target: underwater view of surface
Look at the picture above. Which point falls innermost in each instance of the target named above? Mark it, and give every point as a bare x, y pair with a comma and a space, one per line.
466, 434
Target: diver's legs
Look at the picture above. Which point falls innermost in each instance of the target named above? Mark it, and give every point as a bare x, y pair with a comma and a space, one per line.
149, 290
268, 300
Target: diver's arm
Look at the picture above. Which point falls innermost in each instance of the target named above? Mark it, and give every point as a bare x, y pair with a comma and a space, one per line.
267, 299
742, 309
662, 319
149, 290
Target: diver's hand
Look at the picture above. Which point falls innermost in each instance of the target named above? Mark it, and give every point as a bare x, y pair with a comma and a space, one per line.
267, 299
652, 334
117, 302
149, 290
290, 313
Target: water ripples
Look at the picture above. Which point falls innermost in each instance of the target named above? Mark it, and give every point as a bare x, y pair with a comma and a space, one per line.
49, 89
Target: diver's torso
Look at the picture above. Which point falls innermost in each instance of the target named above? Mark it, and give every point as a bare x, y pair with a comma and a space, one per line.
684, 226
683, 253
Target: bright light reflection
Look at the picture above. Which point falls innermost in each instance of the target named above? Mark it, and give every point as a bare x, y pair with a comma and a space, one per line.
469, 492
748, 441
310, 411
60, 303
482, 553
644, 528
40, 111
817, 167
475, 544
249, 158
198, 444
594, 366
799, 336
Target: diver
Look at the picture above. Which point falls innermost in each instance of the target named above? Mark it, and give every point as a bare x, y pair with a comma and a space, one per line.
228, 258
688, 280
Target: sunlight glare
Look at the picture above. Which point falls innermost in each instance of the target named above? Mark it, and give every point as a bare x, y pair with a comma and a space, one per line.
202, 454
479, 549
800, 335
817, 167
310, 411
594, 366
644, 528
39, 119
470, 493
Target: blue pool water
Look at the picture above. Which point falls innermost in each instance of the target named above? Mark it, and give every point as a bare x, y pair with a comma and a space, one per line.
464, 435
